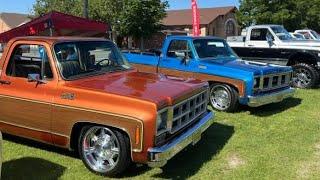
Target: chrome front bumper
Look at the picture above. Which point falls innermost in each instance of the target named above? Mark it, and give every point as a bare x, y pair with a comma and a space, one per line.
255, 101
158, 156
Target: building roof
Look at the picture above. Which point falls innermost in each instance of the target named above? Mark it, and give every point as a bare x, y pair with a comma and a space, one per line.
13, 19
184, 17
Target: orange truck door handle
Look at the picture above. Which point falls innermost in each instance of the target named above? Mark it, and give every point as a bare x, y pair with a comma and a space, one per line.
5, 82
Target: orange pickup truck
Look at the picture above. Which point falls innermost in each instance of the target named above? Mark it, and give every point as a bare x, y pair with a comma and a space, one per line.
81, 94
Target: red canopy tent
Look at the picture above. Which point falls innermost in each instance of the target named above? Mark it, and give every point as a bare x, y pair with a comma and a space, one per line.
57, 24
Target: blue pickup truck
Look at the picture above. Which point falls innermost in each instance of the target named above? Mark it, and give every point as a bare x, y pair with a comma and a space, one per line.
233, 81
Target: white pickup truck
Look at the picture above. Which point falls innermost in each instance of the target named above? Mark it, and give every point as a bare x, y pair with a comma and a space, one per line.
273, 44
308, 34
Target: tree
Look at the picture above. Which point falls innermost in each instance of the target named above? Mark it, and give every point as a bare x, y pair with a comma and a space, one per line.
137, 18
141, 18
73, 7
292, 14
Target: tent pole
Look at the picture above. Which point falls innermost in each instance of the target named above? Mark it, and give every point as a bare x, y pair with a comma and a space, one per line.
85, 9
51, 31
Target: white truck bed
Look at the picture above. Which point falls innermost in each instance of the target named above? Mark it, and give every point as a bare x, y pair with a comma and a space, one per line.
236, 41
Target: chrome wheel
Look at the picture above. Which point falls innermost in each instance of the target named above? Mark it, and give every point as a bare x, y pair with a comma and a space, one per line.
302, 78
101, 149
220, 97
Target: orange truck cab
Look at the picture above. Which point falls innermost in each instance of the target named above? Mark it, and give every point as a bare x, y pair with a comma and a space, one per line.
81, 94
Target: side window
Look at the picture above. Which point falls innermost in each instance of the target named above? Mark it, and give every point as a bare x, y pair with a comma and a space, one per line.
29, 59
179, 49
260, 34
306, 35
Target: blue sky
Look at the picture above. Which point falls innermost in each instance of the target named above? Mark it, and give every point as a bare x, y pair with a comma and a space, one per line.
25, 6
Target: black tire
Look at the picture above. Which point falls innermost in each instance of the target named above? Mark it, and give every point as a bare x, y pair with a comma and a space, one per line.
124, 156
226, 90
305, 76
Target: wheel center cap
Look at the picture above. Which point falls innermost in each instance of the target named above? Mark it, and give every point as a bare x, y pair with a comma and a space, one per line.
302, 76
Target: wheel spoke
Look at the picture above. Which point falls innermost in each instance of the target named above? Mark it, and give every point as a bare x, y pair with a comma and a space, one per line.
100, 163
115, 150
111, 162
102, 133
89, 150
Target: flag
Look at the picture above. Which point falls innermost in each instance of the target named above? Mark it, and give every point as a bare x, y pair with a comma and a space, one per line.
195, 18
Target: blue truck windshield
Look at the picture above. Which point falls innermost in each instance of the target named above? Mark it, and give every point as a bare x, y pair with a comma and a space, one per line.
213, 48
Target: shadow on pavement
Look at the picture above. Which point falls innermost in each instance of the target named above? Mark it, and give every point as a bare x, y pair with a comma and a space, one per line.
31, 168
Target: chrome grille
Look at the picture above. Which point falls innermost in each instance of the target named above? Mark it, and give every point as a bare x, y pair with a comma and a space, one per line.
188, 111
273, 81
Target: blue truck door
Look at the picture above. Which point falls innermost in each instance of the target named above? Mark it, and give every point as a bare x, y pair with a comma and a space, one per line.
178, 60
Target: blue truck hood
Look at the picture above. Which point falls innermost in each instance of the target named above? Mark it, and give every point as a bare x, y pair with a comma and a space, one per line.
240, 68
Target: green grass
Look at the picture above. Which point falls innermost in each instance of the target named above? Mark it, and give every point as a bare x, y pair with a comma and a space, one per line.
278, 141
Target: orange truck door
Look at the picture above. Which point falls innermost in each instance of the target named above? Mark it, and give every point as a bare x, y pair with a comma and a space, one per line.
26, 104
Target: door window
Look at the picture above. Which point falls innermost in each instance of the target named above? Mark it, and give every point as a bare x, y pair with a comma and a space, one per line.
179, 49
29, 59
261, 34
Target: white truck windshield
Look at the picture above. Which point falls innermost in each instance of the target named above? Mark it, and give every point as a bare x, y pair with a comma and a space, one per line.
281, 32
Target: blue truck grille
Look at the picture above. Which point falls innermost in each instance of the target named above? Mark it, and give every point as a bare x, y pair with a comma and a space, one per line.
272, 82
188, 111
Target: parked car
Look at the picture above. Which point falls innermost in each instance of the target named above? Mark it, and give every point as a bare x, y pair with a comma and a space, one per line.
81, 94
232, 80
273, 44
297, 36
308, 34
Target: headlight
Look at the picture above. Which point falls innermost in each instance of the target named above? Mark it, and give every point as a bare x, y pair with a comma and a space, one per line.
162, 120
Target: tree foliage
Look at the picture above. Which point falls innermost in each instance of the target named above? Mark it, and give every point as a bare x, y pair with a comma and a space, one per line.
73, 7
141, 18
137, 18
293, 14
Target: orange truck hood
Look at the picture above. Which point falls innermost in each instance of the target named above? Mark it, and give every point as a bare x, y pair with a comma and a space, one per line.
156, 88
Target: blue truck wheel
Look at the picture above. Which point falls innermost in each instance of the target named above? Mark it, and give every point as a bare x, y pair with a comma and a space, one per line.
223, 97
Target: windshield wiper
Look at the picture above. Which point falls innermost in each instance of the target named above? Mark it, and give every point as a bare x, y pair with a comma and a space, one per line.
86, 73
117, 69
